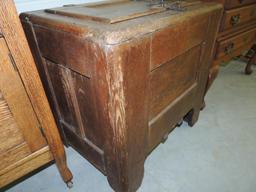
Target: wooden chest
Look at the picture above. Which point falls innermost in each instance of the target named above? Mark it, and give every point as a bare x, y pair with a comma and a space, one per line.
121, 75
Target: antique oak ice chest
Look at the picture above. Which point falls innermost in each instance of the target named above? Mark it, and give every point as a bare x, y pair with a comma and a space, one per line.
121, 75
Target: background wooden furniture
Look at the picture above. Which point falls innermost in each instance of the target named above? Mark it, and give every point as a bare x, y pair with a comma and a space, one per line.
29, 137
120, 81
237, 33
251, 56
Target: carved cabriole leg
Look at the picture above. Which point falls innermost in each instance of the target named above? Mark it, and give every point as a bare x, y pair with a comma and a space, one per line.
252, 61
124, 93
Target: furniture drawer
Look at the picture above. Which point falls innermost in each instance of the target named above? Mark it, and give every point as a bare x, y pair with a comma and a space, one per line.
230, 4
235, 17
229, 46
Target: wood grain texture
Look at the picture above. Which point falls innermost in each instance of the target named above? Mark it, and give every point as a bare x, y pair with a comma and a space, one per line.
10, 136
25, 165
14, 154
170, 80
227, 47
166, 47
35, 105
166, 54
5, 112
106, 12
18, 102
239, 16
235, 33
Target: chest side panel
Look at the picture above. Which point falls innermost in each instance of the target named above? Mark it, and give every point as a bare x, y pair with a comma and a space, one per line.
172, 79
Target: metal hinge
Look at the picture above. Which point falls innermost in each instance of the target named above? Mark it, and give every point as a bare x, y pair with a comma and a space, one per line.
13, 62
42, 130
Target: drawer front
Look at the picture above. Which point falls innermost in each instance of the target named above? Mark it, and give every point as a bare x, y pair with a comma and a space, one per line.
233, 18
230, 4
231, 46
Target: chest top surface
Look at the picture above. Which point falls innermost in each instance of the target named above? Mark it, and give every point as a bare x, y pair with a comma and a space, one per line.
114, 22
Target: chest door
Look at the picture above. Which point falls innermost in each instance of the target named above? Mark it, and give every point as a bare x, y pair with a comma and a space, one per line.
20, 133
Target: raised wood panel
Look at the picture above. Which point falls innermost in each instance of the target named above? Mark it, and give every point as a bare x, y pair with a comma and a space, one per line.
56, 49
18, 102
13, 155
87, 107
59, 79
25, 165
10, 135
171, 79
165, 121
166, 47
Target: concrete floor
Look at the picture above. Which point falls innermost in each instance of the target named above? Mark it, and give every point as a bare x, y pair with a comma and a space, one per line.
217, 155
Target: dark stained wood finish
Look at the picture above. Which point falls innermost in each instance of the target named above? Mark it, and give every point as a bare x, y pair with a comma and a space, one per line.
252, 61
237, 3
29, 136
165, 47
227, 47
239, 16
126, 84
236, 33
165, 88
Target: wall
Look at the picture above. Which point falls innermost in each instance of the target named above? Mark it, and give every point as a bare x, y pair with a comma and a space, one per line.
29, 5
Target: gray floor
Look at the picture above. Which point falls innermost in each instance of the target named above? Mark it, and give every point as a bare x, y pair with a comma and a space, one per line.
217, 155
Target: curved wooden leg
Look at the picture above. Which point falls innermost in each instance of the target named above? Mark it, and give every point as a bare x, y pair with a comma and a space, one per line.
252, 61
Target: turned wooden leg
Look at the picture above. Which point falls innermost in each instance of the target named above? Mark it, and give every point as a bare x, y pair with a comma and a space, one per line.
252, 61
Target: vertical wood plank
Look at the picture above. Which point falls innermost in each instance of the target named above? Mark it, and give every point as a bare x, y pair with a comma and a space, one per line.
18, 46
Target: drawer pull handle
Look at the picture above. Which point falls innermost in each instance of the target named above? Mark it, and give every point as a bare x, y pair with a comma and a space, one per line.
235, 19
241, 1
229, 48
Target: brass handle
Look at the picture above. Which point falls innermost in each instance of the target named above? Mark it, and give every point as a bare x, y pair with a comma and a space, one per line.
235, 19
229, 48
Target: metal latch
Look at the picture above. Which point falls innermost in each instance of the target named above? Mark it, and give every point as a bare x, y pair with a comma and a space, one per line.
177, 5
